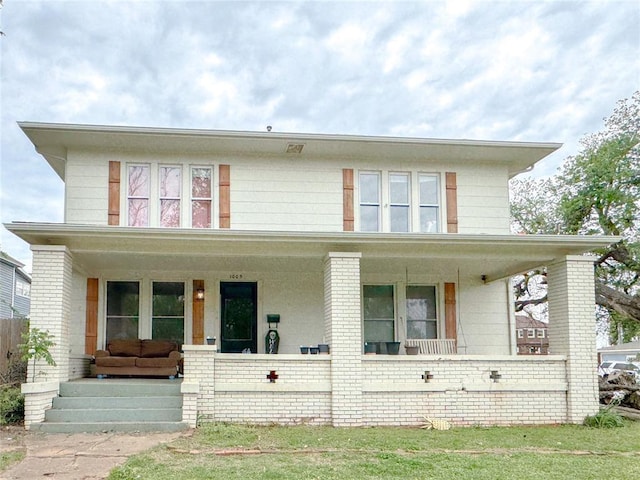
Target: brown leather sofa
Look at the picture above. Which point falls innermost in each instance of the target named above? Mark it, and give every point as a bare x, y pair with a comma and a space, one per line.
135, 357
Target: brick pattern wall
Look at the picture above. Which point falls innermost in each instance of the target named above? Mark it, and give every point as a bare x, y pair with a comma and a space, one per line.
572, 331
38, 398
234, 388
51, 307
344, 329
462, 392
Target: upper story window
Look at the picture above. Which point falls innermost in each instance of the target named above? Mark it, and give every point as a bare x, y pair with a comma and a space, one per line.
170, 196
399, 202
429, 204
201, 197
370, 201
531, 333
23, 288
138, 190
520, 333
170, 186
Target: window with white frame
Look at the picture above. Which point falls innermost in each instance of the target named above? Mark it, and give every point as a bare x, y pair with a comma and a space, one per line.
169, 195
399, 201
429, 203
23, 289
138, 190
132, 313
422, 318
531, 333
369, 201
540, 332
123, 310
169, 181
378, 313
167, 321
201, 196
520, 333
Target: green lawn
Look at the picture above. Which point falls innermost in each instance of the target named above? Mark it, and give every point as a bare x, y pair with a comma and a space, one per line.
251, 452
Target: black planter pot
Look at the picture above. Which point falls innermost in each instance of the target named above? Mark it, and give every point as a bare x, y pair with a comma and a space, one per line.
393, 348
369, 348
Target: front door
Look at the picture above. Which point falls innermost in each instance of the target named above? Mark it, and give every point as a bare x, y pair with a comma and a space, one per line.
239, 317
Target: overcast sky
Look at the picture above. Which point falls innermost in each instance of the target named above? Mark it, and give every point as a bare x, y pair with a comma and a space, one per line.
509, 70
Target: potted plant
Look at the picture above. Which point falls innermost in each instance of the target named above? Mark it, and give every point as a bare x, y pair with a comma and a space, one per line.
393, 348
412, 349
369, 348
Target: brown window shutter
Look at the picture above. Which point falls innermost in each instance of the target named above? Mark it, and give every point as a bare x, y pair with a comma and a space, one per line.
225, 196
450, 324
114, 193
452, 202
347, 200
198, 314
91, 326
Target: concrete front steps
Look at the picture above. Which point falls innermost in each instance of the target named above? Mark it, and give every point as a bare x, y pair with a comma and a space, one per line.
115, 405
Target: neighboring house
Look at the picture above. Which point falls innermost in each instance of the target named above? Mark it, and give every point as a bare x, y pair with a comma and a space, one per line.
532, 337
624, 352
15, 288
185, 234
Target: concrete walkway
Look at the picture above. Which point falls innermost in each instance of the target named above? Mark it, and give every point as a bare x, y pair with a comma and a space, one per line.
80, 456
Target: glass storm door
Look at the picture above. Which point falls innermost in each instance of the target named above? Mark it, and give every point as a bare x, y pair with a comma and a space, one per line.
239, 317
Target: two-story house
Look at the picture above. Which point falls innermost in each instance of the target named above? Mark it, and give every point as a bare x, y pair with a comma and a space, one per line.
15, 288
532, 336
186, 234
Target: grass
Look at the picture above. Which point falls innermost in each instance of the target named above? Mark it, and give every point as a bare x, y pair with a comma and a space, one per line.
220, 451
9, 458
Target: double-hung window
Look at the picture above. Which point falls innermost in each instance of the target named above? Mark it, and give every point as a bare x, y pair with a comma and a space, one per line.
169, 182
370, 201
138, 189
170, 195
168, 311
378, 313
399, 202
201, 196
422, 319
123, 310
429, 204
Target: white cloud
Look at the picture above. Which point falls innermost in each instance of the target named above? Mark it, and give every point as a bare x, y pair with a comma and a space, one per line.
526, 70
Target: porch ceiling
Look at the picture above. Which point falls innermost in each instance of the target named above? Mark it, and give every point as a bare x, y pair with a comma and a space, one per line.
102, 248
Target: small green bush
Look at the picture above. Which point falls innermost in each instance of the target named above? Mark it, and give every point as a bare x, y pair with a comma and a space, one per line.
605, 418
11, 405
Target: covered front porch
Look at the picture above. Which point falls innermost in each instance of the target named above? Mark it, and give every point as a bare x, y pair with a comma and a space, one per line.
317, 284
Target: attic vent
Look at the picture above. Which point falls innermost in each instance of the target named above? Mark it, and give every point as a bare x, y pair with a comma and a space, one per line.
295, 147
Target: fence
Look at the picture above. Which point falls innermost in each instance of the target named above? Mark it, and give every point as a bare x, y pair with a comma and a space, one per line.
10, 337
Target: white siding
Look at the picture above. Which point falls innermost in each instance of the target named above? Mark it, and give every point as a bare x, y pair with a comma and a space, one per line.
483, 200
87, 188
281, 196
483, 311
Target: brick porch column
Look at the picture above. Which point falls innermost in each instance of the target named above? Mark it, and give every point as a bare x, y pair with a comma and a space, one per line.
51, 307
572, 331
343, 331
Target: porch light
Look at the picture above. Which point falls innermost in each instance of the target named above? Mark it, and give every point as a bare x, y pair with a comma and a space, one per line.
200, 294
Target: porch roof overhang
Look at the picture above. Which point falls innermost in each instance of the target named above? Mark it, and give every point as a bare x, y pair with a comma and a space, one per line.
54, 140
492, 257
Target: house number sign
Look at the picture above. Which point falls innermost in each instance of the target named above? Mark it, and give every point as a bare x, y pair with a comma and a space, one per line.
235, 276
